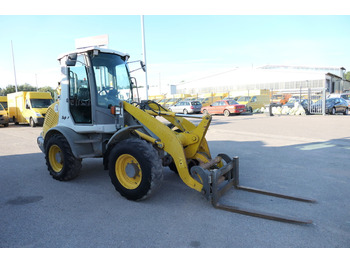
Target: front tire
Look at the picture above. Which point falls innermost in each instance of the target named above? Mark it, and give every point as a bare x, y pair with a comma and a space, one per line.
32, 123
60, 161
333, 111
346, 111
135, 168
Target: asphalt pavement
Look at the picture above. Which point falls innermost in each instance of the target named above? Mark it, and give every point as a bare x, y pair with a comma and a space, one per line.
300, 155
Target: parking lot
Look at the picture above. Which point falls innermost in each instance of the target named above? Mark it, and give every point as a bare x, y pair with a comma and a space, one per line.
298, 155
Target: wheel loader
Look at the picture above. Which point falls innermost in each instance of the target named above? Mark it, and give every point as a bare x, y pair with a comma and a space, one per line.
97, 115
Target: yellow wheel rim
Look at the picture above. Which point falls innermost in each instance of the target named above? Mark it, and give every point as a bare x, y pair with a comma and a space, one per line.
128, 171
56, 158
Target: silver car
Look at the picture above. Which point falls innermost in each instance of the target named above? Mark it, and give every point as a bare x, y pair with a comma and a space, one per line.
186, 107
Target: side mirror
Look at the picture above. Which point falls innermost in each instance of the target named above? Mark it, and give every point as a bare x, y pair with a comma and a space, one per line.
71, 60
133, 82
143, 66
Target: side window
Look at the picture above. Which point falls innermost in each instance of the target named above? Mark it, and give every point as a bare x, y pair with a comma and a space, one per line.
104, 84
27, 104
254, 99
215, 104
79, 92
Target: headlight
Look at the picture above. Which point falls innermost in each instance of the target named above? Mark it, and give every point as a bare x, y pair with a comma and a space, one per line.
38, 114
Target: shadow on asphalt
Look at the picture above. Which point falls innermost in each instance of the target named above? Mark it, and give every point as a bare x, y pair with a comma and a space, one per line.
313, 170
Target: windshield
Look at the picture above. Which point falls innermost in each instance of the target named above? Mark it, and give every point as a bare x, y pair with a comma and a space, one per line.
330, 101
4, 104
112, 79
346, 97
232, 102
244, 99
40, 103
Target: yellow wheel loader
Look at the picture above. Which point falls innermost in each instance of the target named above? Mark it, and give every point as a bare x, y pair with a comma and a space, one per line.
97, 116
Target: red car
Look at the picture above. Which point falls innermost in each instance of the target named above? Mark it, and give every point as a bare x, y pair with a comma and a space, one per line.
225, 107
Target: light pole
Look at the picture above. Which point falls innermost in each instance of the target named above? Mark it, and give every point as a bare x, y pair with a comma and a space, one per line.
14, 68
144, 55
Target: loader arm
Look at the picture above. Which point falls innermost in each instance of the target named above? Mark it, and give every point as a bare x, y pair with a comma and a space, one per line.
182, 146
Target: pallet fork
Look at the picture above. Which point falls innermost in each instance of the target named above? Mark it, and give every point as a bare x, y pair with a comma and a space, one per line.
218, 181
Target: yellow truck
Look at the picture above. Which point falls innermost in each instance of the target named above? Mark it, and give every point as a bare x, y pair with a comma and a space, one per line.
209, 98
254, 102
28, 107
3, 101
176, 98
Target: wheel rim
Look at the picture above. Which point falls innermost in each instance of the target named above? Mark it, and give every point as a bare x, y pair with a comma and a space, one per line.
56, 158
128, 171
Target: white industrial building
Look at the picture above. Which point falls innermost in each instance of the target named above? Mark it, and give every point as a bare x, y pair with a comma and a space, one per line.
272, 77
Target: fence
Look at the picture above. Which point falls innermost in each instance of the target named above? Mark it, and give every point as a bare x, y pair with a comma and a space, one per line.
313, 100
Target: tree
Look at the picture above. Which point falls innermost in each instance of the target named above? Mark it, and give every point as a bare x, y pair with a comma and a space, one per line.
48, 89
7, 90
26, 87
347, 76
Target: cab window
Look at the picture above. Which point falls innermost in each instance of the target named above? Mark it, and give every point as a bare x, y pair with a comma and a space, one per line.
79, 92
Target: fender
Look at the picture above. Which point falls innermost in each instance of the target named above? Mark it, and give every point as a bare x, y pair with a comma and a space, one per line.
118, 136
78, 149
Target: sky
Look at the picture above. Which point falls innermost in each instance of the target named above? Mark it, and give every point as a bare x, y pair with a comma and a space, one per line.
178, 47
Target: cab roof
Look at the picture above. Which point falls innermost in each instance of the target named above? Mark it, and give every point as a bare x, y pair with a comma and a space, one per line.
102, 50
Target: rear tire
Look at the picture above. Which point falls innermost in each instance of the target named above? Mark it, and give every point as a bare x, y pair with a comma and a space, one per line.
135, 168
60, 161
226, 113
32, 123
346, 111
185, 111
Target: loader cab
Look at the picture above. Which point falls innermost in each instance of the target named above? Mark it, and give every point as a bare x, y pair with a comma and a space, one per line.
96, 79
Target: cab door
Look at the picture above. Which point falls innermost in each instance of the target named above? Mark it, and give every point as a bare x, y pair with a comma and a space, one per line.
79, 92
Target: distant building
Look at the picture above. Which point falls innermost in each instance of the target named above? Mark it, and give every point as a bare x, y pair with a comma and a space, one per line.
272, 77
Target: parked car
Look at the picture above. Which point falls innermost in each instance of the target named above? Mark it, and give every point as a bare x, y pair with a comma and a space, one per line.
231, 98
226, 107
4, 119
292, 101
345, 96
276, 100
186, 107
206, 101
304, 103
254, 102
333, 106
